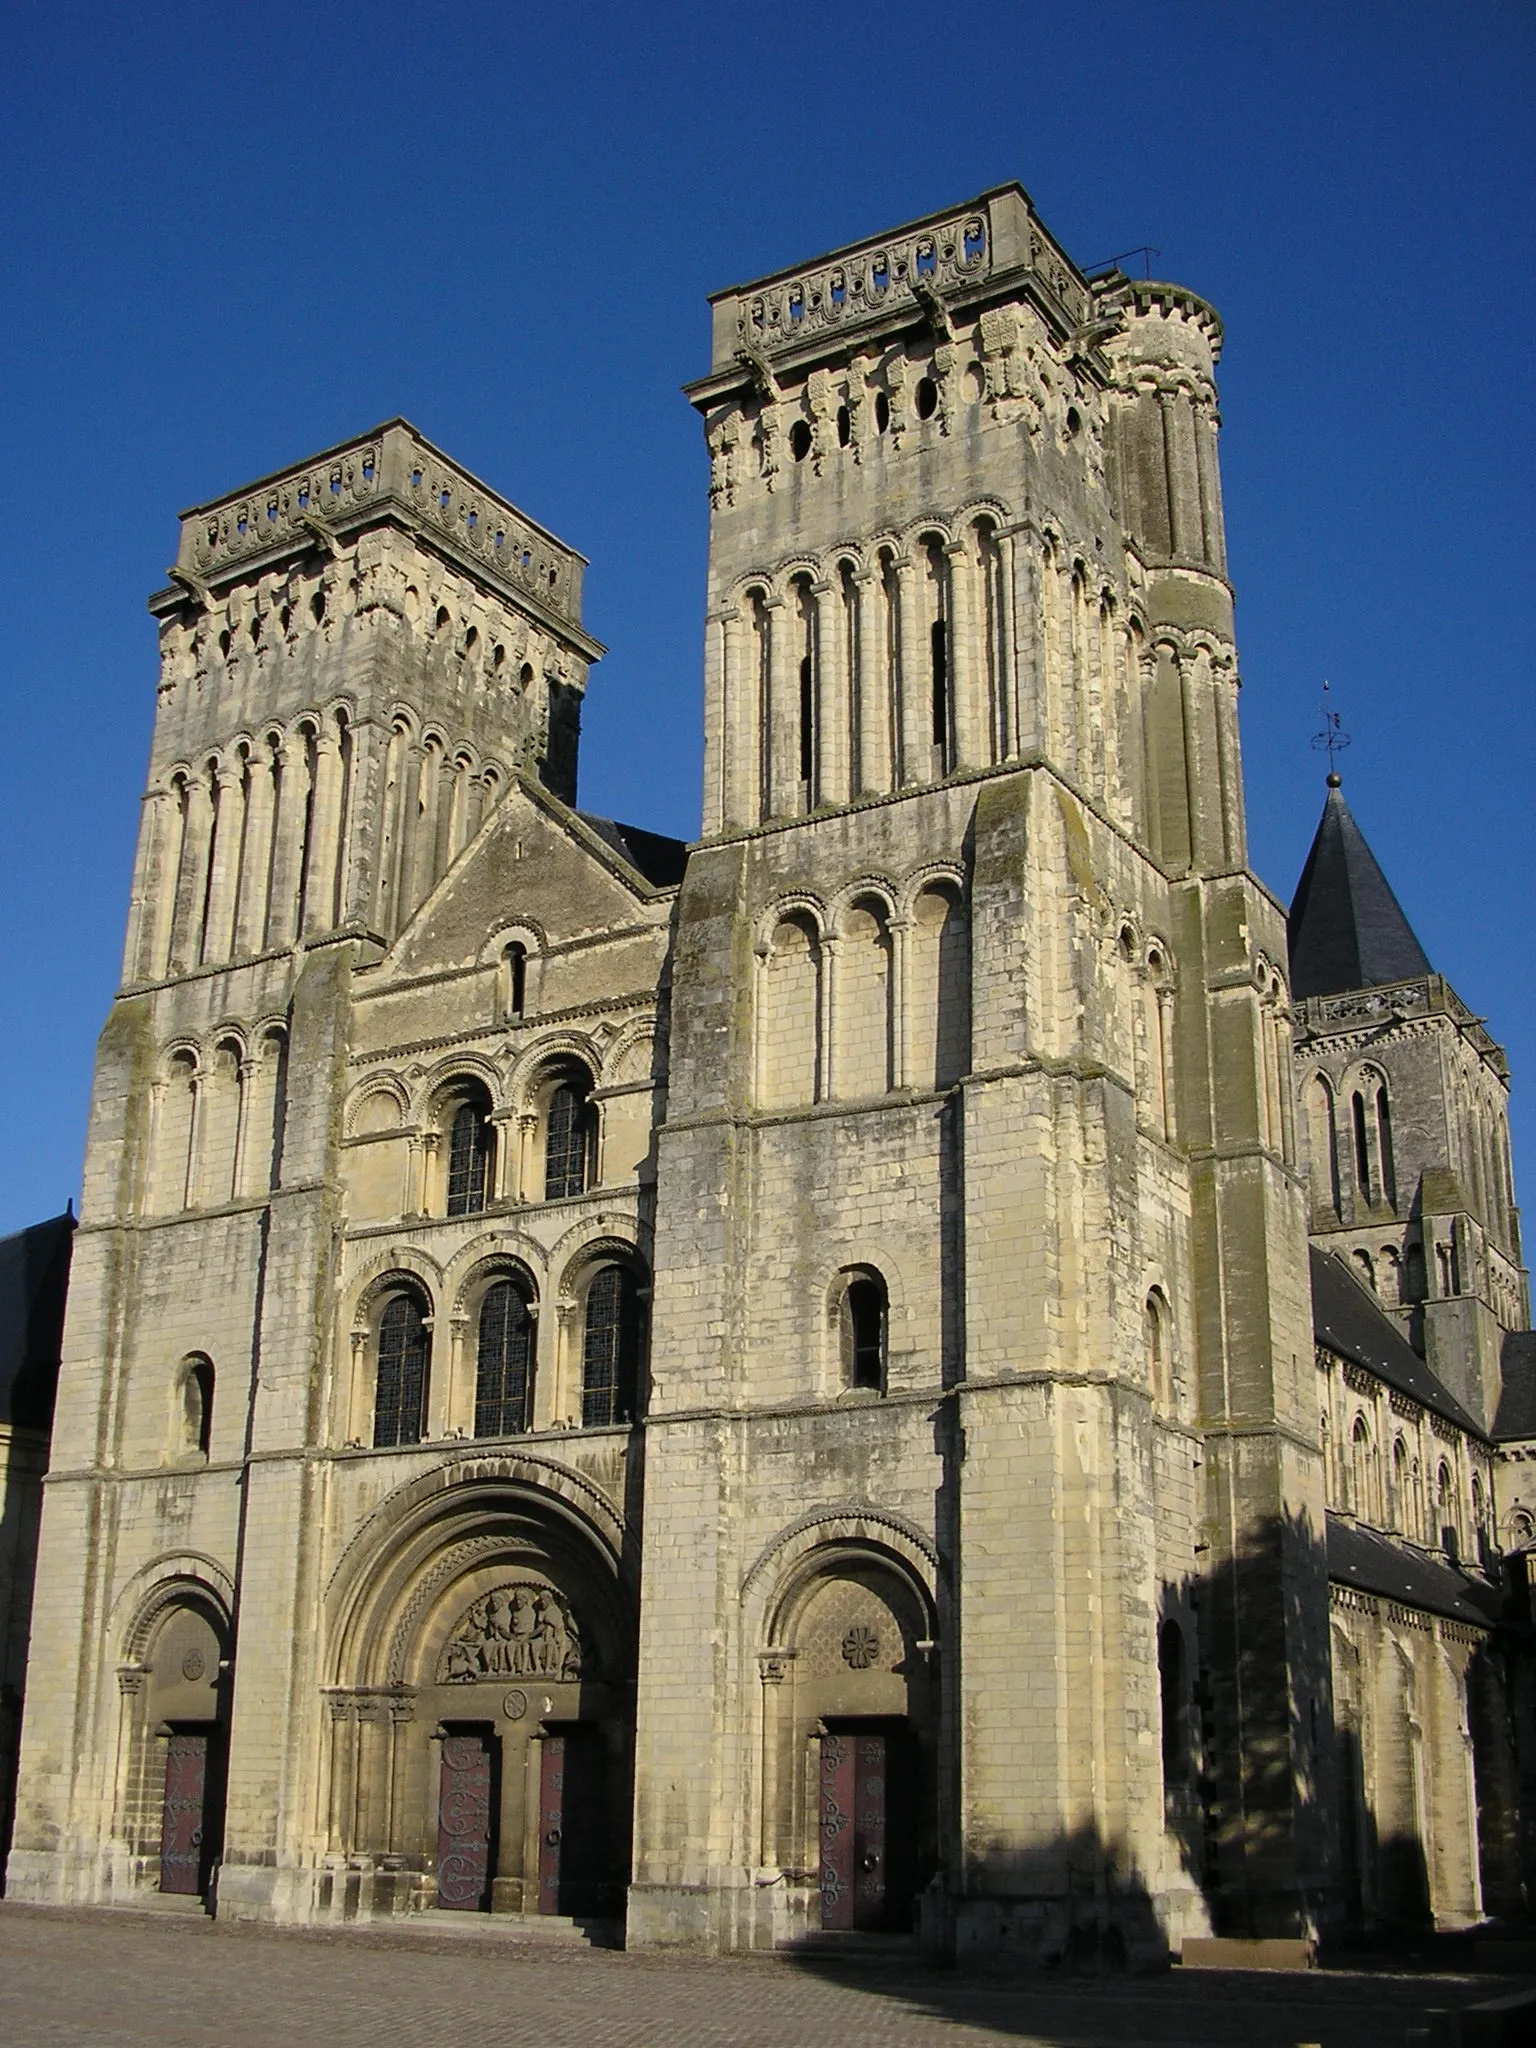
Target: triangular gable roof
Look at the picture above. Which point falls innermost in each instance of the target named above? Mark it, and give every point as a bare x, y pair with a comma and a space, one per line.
1347, 1318
492, 876
1347, 929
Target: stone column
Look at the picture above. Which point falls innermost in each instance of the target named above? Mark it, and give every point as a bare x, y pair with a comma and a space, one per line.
407, 837
228, 829
900, 929
741, 782
717, 711
139, 916
833, 693
504, 1161
192, 881
874, 715
783, 711
245, 1075
1025, 639
915, 680
288, 852
827, 1083
160, 847
324, 837
527, 1131
256, 864
965, 672
1229, 755
1178, 535
431, 787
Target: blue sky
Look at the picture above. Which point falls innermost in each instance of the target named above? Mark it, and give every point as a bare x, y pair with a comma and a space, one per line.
233, 236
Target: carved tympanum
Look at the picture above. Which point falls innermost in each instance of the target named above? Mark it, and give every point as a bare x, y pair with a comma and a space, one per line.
520, 1630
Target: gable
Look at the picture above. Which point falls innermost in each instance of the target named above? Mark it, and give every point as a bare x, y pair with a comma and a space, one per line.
533, 863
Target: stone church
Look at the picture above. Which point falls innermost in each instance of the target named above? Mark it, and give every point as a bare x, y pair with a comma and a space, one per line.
808, 1384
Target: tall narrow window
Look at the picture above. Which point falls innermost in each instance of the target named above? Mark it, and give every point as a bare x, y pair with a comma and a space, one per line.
1360, 1469
610, 1352
862, 1330
196, 1406
517, 979
471, 1145
805, 606
939, 645
1384, 1146
402, 1378
1400, 1495
1362, 1149
567, 1144
505, 1357
1159, 1365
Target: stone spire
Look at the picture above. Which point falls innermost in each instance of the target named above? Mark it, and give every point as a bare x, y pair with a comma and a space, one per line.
1347, 929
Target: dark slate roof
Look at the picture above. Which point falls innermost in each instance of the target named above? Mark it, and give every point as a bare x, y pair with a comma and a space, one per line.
1517, 1394
34, 1274
1400, 1571
659, 859
1347, 1318
1347, 929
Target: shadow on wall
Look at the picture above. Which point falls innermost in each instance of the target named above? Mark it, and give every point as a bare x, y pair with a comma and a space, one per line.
1240, 1656
34, 1276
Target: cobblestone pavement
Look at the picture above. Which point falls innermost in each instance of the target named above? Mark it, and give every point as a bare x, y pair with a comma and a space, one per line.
73, 1979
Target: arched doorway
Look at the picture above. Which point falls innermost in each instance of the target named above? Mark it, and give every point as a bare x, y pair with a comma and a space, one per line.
176, 1690
482, 1739
850, 1737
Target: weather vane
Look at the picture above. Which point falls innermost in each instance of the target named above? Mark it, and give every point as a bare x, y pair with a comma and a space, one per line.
1333, 739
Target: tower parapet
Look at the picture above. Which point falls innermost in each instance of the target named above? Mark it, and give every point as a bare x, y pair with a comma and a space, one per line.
356, 654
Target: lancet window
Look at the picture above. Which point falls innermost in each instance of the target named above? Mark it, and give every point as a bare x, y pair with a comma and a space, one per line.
471, 1152
401, 1385
504, 1365
610, 1354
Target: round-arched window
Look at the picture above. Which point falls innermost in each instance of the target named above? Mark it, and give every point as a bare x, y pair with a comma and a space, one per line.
401, 1387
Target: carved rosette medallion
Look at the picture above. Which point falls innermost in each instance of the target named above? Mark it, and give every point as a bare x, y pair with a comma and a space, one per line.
517, 1630
861, 1646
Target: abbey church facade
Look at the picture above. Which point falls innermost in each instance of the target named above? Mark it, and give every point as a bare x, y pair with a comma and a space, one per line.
776, 1387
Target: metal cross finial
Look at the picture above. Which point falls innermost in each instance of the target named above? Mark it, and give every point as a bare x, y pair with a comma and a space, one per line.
1333, 737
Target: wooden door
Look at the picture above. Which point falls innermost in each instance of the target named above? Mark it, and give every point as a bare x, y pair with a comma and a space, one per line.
852, 1823
573, 1823
464, 1808
181, 1821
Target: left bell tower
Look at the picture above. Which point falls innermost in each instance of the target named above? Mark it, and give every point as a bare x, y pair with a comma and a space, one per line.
358, 655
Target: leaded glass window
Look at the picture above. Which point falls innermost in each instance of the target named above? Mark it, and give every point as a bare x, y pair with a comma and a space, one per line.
471, 1143
402, 1376
565, 1143
505, 1359
610, 1349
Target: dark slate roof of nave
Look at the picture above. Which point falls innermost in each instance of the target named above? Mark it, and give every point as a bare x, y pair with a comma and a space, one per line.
651, 854
1516, 1418
1347, 929
1374, 1563
1348, 1319
34, 1275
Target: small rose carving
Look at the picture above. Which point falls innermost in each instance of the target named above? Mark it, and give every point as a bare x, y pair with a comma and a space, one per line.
861, 1646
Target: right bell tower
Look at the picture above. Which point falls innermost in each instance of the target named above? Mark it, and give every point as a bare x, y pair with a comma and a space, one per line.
981, 1313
